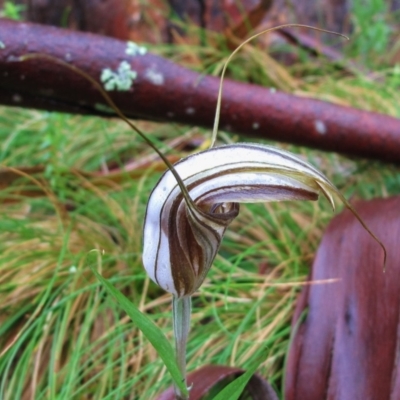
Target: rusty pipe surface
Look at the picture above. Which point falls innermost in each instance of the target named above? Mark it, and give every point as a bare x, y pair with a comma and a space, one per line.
164, 91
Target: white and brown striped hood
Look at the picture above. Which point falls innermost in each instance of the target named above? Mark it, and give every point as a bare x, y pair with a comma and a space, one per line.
183, 231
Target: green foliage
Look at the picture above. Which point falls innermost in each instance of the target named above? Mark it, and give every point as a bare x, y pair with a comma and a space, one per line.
12, 10
372, 29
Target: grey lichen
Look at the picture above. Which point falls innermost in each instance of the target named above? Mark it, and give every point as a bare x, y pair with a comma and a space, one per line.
133, 49
154, 76
119, 80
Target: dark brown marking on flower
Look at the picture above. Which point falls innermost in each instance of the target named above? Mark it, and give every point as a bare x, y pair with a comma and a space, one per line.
301, 194
193, 243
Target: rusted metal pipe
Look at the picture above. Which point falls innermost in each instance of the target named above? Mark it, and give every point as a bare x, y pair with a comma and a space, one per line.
164, 91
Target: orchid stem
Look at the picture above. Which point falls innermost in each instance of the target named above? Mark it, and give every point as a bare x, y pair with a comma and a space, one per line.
181, 309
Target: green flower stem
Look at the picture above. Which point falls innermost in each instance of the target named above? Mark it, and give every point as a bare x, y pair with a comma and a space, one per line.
181, 310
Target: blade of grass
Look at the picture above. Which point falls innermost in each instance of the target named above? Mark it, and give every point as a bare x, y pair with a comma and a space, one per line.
149, 329
236, 388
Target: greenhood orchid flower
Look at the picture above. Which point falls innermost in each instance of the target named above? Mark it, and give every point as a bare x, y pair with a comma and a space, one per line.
182, 236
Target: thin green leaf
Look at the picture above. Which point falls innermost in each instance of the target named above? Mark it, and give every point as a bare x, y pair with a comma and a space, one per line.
149, 329
236, 388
